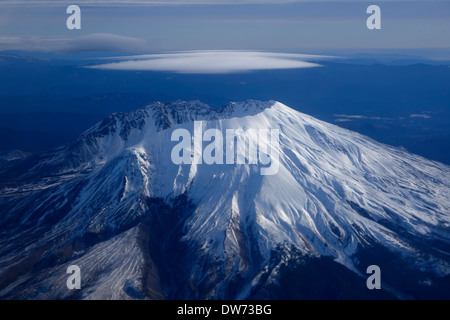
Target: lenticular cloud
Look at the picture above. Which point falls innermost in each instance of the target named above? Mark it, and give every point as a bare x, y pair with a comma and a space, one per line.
211, 62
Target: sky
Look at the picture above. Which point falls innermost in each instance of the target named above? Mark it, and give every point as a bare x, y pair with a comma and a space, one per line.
181, 25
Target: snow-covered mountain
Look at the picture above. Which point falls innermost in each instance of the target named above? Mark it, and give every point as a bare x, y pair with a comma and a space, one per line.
140, 226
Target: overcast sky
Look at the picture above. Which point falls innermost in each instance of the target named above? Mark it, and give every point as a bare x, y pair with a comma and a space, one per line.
145, 27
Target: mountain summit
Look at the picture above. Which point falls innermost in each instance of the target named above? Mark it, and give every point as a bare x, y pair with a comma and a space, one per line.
140, 226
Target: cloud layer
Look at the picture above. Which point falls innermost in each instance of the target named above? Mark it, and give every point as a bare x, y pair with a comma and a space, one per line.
90, 42
212, 62
172, 2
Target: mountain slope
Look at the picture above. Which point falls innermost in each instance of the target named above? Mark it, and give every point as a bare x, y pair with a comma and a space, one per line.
338, 203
